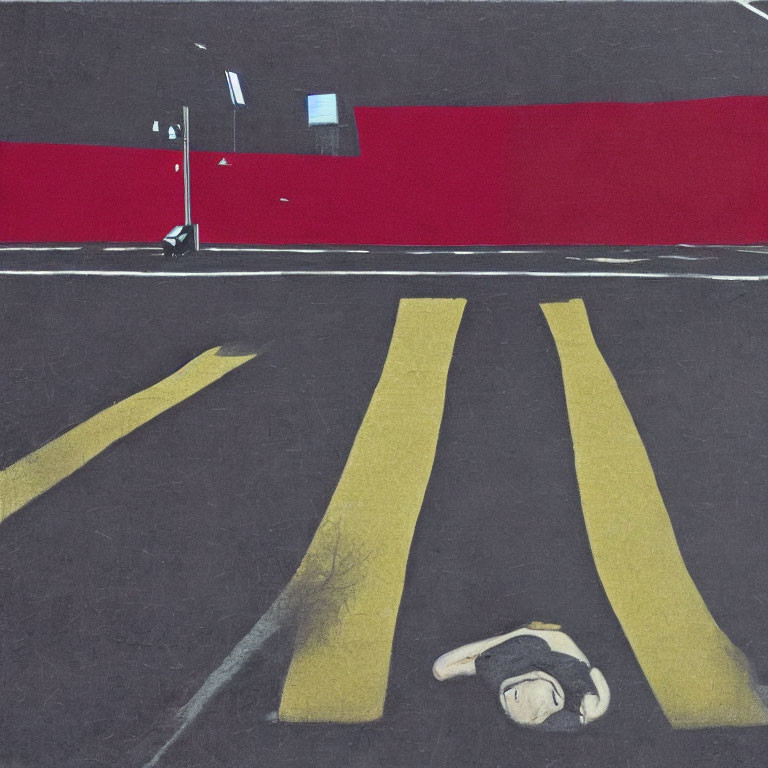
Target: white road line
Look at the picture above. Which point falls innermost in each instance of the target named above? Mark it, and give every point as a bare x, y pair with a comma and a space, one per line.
724, 246
37, 248
686, 258
750, 8
491, 252
374, 273
616, 2
284, 250
138, 248
609, 260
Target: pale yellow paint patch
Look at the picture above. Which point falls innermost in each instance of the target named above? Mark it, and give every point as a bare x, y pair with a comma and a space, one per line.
698, 676
543, 625
49, 465
351, 578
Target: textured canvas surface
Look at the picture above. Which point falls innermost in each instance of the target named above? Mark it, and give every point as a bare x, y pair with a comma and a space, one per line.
446, 448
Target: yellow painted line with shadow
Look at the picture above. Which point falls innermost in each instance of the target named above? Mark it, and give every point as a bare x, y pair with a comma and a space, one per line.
698, 676
349, 585
42, 469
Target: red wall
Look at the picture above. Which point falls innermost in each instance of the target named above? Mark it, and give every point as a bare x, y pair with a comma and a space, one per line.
663, 173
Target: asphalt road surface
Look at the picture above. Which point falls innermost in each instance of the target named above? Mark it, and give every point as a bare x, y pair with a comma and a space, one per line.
127, 583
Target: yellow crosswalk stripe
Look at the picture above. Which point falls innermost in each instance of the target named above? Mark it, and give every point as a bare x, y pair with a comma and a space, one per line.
351, 578
42, 469
698, 676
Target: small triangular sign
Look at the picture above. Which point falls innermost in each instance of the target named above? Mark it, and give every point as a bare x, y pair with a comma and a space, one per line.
223, 161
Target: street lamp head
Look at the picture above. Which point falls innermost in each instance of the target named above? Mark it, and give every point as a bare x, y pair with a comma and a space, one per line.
235, 90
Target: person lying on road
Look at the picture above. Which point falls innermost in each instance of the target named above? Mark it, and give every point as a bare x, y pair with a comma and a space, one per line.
540, 675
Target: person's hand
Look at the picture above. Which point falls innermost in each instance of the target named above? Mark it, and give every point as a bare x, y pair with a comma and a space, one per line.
595, 705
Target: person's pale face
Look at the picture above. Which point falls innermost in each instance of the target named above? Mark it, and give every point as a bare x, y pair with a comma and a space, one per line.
532, 701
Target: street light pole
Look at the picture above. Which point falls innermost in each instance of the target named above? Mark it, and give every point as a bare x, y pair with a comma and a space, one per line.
185, 135
187, 196
175, 243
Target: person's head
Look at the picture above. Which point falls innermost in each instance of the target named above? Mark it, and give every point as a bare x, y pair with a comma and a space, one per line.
531, 698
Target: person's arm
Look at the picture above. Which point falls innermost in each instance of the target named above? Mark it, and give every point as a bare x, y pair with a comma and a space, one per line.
461, 661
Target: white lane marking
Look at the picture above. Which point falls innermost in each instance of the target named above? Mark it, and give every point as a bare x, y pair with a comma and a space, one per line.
733, 247
285, 250
686, 258
37, 248
750, 8
762, 252
491, 252
373, 1
447, 253
137, 248
373, 273
609, 260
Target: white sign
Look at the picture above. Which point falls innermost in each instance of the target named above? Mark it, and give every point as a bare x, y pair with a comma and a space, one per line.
235, 91
323, 109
